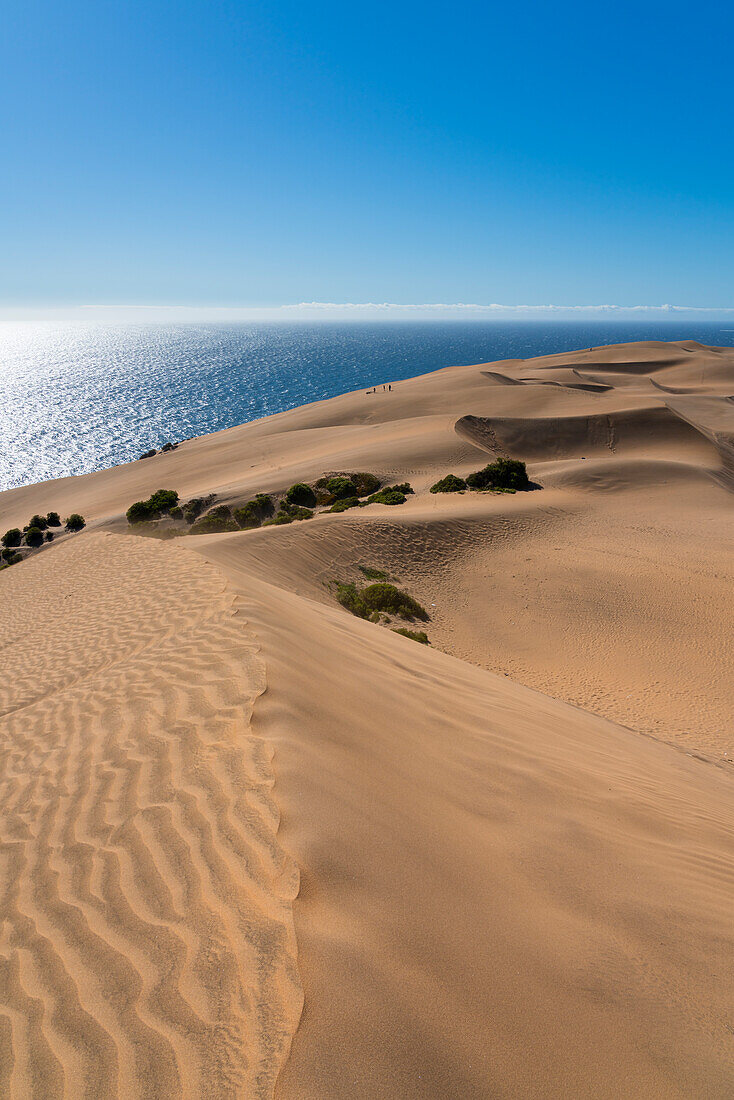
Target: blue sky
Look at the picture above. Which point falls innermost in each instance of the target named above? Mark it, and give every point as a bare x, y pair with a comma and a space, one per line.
225, 154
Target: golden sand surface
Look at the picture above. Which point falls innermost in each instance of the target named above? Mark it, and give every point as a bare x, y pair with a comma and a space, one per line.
254, 846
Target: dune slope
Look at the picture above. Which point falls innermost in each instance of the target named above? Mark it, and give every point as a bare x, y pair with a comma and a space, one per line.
146, 935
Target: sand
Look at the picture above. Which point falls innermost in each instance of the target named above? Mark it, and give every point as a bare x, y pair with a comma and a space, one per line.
254, 846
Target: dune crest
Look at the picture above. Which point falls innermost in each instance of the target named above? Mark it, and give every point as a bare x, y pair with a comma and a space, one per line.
146, 942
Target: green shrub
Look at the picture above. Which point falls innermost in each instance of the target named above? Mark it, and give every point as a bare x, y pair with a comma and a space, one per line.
157, 504
503, 473
301, 494
12, 537
449, 484
162, 500
294, 511
149, 454
373, 574
346, 503
168, 447
387, 496
9, 553
52, 519
10, 558
215, 521
254, 511
34, 536
193, 508
349, 597
341, 487
176, 512
75, 522
139, 512
365, 483
49, 536
416, 635
39, 522
388, 598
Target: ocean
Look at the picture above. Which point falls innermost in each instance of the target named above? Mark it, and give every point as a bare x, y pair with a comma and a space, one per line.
77, 398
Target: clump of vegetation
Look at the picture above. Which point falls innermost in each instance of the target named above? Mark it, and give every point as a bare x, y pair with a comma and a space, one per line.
373, 574
176, 512
365, 483
75, 522
287, 513
158, 504
254, 511
503, 473
193, 508
416, 635
391, 494
52, 519
301, 494
13, 537
150, 453
349, 596
39, 522
343, 486
215, 521
34, 537
449, 484
377, 601
393, 601
10, 557
168, 447
345, 504
49, 536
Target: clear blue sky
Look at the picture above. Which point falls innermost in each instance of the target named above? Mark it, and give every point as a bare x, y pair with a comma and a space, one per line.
219, 153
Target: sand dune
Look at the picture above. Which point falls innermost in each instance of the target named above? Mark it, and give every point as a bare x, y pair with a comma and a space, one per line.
147, 944
253, 846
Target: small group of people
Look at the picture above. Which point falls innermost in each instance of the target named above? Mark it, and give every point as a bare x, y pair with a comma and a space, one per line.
385, 389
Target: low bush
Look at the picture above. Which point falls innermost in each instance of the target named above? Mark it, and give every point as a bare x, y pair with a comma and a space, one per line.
149, 454
12, 537
388, 598
75, 522
416, 635
49, 536
350, 598
345, 504
449, 484
215, 521
9, 554
162, 500
40, 522
34, 536
10, 558
176, 512
168, 447
157, 504
301, 494
341, 487
365, 483
388, 495
373, 574
503, 473
254, 511
287, 514
193, 508
52, 519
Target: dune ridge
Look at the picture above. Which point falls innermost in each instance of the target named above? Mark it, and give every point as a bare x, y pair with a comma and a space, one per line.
147, 943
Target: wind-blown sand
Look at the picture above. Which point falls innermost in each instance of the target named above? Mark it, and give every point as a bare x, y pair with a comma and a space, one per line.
253, 846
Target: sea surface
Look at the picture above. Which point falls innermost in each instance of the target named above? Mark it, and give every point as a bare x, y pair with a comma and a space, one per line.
76, 398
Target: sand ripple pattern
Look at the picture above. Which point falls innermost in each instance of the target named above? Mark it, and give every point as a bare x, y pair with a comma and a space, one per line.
146, 936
